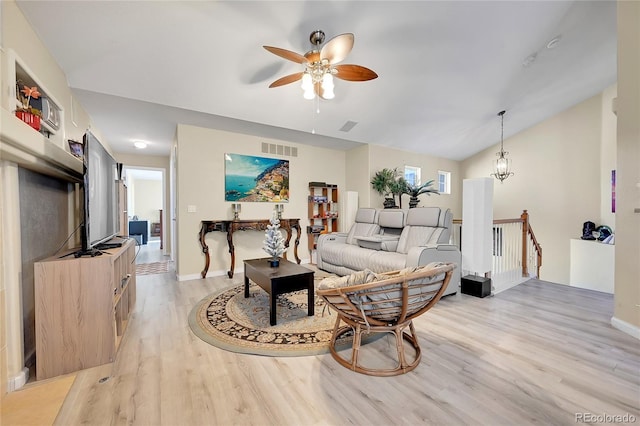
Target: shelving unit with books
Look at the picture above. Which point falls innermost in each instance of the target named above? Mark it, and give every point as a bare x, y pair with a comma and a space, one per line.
323, 211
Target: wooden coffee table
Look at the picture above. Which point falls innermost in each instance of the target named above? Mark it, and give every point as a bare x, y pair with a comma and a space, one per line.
285, 278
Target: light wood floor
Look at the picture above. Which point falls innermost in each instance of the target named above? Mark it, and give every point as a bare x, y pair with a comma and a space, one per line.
36, 404
150, 252
535, 354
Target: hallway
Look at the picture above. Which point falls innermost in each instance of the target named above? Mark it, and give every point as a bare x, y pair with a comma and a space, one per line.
150, 253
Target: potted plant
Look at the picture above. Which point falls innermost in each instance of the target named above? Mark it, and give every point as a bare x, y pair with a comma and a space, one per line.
415, 190
26, 113
382, 182
398, 187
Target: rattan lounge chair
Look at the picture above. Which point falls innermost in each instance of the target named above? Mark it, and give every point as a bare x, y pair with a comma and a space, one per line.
384, 303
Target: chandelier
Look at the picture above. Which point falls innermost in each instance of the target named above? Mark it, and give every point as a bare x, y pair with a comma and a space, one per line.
502, 165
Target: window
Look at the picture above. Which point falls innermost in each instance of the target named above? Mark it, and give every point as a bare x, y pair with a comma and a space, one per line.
444, 182
412, 175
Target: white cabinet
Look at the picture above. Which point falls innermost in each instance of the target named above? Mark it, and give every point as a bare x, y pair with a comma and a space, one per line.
592, 265
52, 115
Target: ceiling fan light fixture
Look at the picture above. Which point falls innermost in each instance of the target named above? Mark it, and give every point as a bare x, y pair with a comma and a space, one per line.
309, 94
320, 65
307, 82
327, 86
307, 86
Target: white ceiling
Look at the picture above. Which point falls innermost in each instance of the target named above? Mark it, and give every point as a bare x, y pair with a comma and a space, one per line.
446, 68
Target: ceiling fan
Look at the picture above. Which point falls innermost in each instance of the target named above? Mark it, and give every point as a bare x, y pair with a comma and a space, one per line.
320, 65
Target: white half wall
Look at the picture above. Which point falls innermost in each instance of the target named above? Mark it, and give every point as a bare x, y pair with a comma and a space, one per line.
477, 225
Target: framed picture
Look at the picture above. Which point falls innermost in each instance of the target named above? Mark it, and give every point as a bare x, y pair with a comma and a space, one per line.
613, 191
76, 148
255, 179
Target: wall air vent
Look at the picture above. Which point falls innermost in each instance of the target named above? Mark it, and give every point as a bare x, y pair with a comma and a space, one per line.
284, 150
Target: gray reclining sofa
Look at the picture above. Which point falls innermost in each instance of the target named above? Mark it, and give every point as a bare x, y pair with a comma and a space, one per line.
391, 239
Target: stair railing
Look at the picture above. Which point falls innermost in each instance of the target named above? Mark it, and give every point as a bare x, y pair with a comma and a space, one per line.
516, 250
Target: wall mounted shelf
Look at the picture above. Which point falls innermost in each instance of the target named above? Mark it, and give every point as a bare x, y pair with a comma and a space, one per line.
30, 149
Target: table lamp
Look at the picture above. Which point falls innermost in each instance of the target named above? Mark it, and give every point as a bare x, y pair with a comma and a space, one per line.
236, 207
279, 209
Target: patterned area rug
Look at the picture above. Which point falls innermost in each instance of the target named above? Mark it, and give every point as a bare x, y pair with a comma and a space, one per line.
229, 321
152, 268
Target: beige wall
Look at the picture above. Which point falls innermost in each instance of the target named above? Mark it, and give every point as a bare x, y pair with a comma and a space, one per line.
200, 170
3, 316
627, 282
3, 319
147, 199
608, 150
557, 179
358, 174
382, 157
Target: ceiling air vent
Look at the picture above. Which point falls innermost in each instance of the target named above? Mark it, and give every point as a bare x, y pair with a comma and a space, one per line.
348, 126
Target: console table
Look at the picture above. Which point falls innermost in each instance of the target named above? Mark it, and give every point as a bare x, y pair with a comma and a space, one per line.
230, 226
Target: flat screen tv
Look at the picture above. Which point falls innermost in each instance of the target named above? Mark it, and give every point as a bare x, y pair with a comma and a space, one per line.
100, 194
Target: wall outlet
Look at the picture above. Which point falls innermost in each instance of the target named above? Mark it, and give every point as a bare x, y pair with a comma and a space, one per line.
191, 209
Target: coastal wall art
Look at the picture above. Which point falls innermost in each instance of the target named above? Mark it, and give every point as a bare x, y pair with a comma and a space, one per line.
255, 179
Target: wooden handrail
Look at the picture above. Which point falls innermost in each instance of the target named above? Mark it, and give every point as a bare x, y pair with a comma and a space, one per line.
526, 230
525, 224
495, 221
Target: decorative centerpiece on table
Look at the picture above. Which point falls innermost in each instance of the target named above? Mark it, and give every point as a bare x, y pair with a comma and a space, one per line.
274, 241
26, 113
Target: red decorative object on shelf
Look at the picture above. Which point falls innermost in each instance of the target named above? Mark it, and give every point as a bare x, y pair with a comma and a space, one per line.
29, 118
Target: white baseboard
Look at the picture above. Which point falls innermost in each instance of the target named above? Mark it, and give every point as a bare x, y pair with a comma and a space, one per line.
625, 327
197, 276
16, 382
499, 287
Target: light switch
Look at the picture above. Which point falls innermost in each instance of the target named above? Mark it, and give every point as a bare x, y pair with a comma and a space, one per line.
191, 209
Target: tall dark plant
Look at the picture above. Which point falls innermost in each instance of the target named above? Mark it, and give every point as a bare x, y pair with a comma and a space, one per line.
382, 183
398, 187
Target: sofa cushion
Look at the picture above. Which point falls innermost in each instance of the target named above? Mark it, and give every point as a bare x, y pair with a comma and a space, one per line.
414, 236
379, 242
391, 218
417, 295
332, 253
383, 261
360, 277
356, 258
366, 215
364, 226
424, 216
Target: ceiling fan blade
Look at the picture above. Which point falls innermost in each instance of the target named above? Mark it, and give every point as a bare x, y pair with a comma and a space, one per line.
287, 54
336, 49
354, 73
286, 80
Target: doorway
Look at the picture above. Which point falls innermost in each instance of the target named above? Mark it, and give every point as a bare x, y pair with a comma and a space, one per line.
146, 212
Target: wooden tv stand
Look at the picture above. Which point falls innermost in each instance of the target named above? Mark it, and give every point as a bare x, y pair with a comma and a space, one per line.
82, 308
